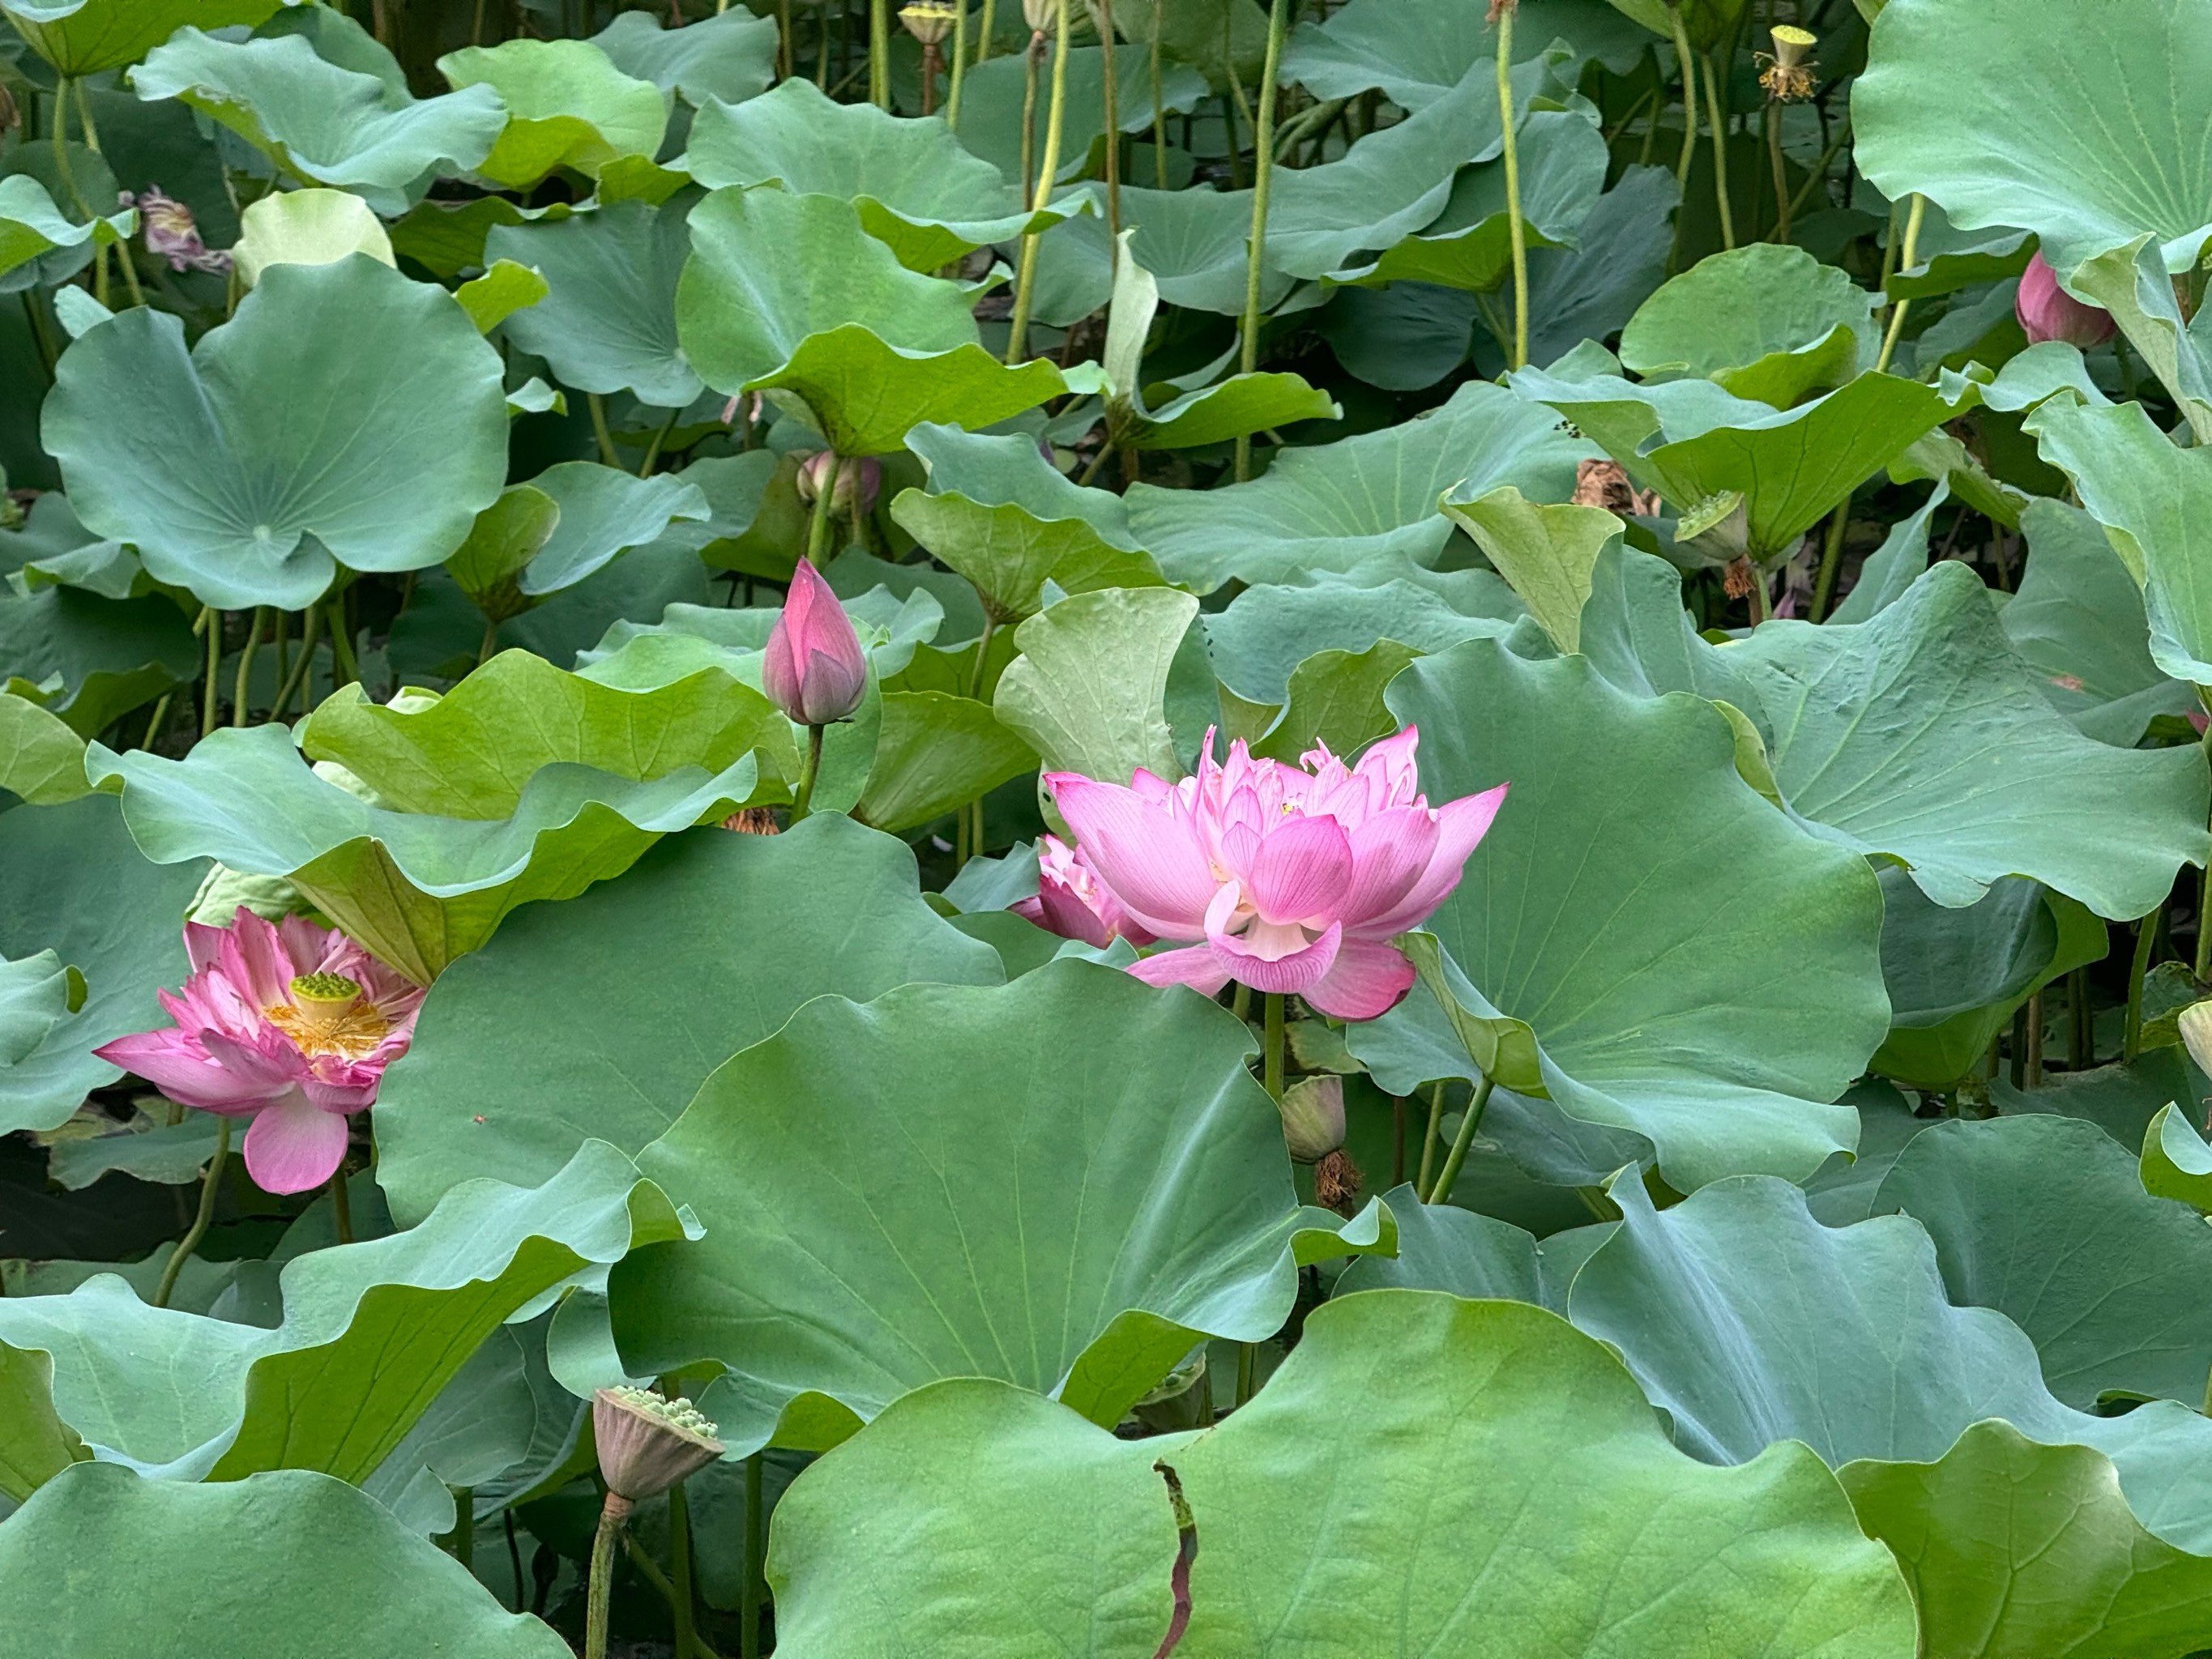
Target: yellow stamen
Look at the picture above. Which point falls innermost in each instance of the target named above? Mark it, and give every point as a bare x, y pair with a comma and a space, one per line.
328, 1015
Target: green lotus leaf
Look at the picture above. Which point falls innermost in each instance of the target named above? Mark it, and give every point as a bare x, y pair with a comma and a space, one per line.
935, 752
567, 105
370, 1333
2079, 621
248, 473
1949, 89
82, 36
789, 293
1041, 1532
1010, 471
473, 752
1331, 507
53, 549
1891, 569
2175, 1162
172, 1154
600, 1018
41, 760
1866, 1362
603, 512
1413, 51
730, 56
416, 890
1548, 553
321, 123
1258, 640
1089, 691
448, 238
1691, 440
505, 288
990, 103
2132, 283
1335, 702
914, 186
1194, 242
312, 228
1667, 997
1730, 318
1009, 553
31, 225
90, 660
1441, 1246
1140, 1202
71, 883
1704, 20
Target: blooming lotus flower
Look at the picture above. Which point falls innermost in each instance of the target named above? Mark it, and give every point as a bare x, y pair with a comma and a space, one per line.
2048, 312
813, 669
1286, 879
1072, 902
286, 1023
859, 478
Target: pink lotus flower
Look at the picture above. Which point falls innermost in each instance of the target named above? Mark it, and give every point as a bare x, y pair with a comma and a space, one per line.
814, 669
288, 1024
1285, 880
1072, 902
2048, 312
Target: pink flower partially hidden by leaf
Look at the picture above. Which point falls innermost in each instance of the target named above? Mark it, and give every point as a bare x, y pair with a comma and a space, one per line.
813, 669
2048, 312
286, 1023
1072, 902
1286, 879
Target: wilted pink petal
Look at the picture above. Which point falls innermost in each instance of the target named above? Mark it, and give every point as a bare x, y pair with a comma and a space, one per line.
814, 669
2048, 312
171, 233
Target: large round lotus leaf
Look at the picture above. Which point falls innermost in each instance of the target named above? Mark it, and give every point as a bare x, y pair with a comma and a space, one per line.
730, 56
1552, 1517
567, 105
1748, 1322
1642, 936
1334, 506
914, 185
369, 1333
285, 1563
71, 883
336, 126
600, 1018
2117, 95
1735, 308
608, 321
2045, 1220
1063, 1182
82, 36
250, 468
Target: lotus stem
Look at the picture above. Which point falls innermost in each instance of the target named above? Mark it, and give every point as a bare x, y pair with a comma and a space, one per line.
341, 1205
1429, 1139
2204, 963
959, 64
212, 619
1832, 559
1248, 1354
1448, 1178
602, 431
1105, 19
786, 51
2146, 938
1272, 1001
985, 25
1909, 258
242, 686
653, 449
487, 647
303, 670
1047, 171
154, 726
123, 250
1263, 158
1159, 106
680, 1567
612, 1514
1715, 119
2081, 1048
2035, 1041
1781, 177
808, 771
191, 1241
1689, 97
1031, 68
749, 1592
821, 52
879, 53
818, 527
342, 643
1518, 228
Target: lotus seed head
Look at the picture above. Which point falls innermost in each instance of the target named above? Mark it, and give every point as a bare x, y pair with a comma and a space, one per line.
1788, 77
325, 993
679, 1412
928, 21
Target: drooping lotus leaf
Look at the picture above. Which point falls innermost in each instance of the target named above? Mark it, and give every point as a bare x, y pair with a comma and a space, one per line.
789, 293
82, 36
1258, 641
2045, 1220
323, 122
567, 105
2078, 620
1441, 1246
71, 882
31, 225
1691, 440
91, 660
277, 1563
1546, 552
416, 890
41, 760
1761, 321
942, 1195
912, 183
1415, 50
730, 56
1335, 702
598, 1018
370, 1333
608, 321
1559, 1519
1704, 22
1678, 966
1865, 1361
248, 471
1089, 691
1331, 507
999, 470
2175, 1161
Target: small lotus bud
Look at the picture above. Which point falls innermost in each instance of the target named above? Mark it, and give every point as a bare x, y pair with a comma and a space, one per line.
813, 668
648, 1444
2196, 1023
2048, 312
1041, 15
929, 20
1313, 1117
858, 478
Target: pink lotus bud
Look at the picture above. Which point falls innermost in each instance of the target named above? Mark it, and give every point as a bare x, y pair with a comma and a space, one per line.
648, 1444
861, 476
814, 669
2048, 312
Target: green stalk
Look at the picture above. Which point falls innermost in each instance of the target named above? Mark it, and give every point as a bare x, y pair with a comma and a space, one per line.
155, 726
1715, 118
612, 1513
1105, 20
749, 1593
2081, 1040
190, 1241
653, 450
959, 63
879, 53
821, 52
1832, 558
342, 643
808, 771
341, 1205
302, 669
1896, 311
1272, 1001
242, 685
1025, 284
1263, 169
1159, 106
2146, 938
1429, 1140
208, 698
1519, 357
1781, 178
600, 427
1031, 66
1689, 98
2203, 964
1248, 1355
1447, 1177
786, 51
818, 527
489, 646
985, 24
123, 252
680, 1561
2035, 1041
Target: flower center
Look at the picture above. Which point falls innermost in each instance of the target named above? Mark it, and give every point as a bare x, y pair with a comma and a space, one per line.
328, 1015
